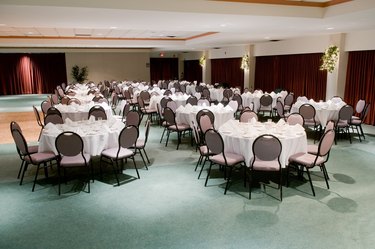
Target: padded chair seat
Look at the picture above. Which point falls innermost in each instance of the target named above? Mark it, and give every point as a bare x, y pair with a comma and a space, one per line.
266, 165
265, 108
232, 159
355, 118
33, 149
140, 143
356, 122
150, 110
180, 127
310, 122
73, 161
112, 153
40, 157
203, 149
306, 159
342, 124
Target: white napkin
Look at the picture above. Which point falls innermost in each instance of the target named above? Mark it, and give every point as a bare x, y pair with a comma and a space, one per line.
68, 121
228, 108
91, 119
220, 105
253, 121
51, 128
180, 108
280, 122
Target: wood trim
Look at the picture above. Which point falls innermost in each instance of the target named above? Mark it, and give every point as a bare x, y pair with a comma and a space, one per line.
200, 35
290, 3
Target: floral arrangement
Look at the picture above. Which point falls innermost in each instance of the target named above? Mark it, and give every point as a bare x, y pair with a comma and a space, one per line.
245, 62
202, 60
79, 74
330, 58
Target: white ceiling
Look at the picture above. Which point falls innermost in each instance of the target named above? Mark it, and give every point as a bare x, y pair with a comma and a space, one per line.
172, 24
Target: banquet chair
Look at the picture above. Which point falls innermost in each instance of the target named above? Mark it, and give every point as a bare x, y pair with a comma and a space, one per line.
129, 99
53, 110
173, 105
182, 88
145, 95
198, 117
295, 118
206, 94
146, 109
55, 99
308, 113
280, 109
357, 123
126, 140
192, 100
38, 120
163, 102
61, 93
313, 148
37, 158
173, 126
123, 113
240, 107
98, 112
247, 116
265, 104
359, 108
202, 147
288, 102
266, 157
167, 92
103, 100
309, 161
96, 98
133, 118
215, 145
70, 149
53, 118
228, 93
45, 105
141, 144
343, 123
205, 123
203, 102
65, 100
74, 101
31, 148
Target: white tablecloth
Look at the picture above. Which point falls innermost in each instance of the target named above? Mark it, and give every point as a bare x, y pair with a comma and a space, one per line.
239, 137
179, 99
248, 98
325, 111
188, 113
96, 135
81, 112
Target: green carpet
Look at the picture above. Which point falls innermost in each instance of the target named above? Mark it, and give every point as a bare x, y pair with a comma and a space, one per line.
170, 208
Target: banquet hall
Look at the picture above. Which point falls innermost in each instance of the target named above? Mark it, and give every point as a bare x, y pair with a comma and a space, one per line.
164, 196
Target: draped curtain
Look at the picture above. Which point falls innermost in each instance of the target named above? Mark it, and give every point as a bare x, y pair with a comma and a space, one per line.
299, 74
227, 72
31, 73
163, 69
192, 71
360, 81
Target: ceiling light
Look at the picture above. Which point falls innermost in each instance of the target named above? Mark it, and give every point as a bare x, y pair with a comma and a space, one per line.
330, 28
113, 27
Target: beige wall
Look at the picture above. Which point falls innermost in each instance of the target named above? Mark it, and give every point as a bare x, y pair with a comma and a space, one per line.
111, 66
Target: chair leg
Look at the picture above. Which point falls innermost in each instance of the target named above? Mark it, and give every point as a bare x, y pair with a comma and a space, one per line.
250, 182
198, 162
228, 180
162, 135
200, 172
20, 170
143, 159
208, 174
312, 187
115, 171
325, 175
135, 166
59, 175
144, 151
36, 176
166, 143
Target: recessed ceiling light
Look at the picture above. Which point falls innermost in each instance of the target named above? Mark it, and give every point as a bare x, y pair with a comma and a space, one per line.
223, 25
29, 33
330, 28
113, 27
267, 37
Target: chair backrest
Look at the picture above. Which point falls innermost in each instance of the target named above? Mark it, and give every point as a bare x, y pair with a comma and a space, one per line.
326, 142
127, 94
289, 99
145, 95
182, 88
141, 103
173, 105
164, 101
206, 93
97, 111
133, 118
267, 147
204, 123
280, 109
103, 100
295, 118
167, 92
345, 113
247, 116
69, 144
228, 93
214, 142
207, 112
265, 100
128, 137
307, 111
15, 126
53, 110
125, 110
203, 102
365, 112
37, 116
169, 116
197, 138
237, 98
192, 100
55, 99
330, 125
61, 92
20, 142
53, 118
45, 105
65, 100
360, 106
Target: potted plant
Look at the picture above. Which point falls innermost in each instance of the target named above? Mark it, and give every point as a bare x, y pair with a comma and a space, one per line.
330, 58
79, 74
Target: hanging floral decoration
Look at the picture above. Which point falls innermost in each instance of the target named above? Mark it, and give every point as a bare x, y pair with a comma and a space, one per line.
330, 58
202, 60
245, 62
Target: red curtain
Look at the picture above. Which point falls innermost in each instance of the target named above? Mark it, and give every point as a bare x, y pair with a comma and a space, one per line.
227, 72
296, 73
163, 69
31, 73
360, 80
192, 71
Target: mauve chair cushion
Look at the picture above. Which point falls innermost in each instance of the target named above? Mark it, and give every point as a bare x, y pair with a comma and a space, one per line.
203, 150
72, 161
232, 159
33, 149
266, 165
40, 157
180, 127
306, 159
112, 153
140, 143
